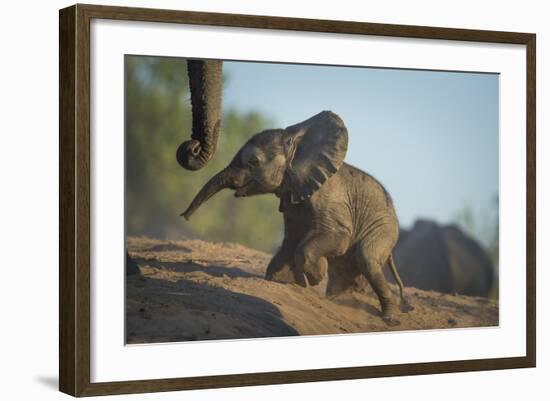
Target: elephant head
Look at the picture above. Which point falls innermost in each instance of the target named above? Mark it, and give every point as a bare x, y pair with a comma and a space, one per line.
292, 163
205, 81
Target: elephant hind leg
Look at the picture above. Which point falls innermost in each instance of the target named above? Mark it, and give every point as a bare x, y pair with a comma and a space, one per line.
371, 258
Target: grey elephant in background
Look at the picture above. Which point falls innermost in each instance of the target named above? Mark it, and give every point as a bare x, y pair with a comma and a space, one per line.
444, 258
337, 218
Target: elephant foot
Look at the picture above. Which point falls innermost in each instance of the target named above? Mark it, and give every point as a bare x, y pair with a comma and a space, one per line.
315, 272
389, 310
286, 276
391, 321
313, 278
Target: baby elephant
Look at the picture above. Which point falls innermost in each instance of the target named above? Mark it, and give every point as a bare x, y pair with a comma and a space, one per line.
337, 219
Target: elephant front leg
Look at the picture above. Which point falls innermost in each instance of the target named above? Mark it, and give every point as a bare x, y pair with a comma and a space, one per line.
282, 269
311, 255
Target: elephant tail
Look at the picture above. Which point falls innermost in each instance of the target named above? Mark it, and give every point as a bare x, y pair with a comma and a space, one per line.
405, 305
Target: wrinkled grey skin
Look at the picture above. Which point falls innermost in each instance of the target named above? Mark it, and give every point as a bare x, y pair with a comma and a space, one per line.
205, 84
337, 218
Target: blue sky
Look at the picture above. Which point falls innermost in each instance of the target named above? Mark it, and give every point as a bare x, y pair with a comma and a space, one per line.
430, 137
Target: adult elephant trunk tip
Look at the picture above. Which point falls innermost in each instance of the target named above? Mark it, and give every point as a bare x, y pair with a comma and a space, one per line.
193, 155
187, 153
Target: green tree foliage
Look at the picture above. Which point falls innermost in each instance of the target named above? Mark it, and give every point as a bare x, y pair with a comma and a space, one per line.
158, 119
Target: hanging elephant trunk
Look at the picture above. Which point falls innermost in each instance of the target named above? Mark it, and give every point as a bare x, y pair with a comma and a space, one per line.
205, 82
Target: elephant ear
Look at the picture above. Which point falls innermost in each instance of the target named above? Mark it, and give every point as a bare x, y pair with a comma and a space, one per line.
315, 149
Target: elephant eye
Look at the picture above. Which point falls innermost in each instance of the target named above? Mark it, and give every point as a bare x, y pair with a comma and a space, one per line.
253, 162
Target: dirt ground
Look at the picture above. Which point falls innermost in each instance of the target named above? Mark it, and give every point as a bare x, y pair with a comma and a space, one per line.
197, 290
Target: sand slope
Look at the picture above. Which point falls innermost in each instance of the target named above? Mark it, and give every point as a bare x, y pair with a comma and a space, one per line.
196, 290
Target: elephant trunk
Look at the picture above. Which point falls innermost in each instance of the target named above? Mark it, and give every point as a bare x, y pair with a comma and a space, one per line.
226, 178
205, 82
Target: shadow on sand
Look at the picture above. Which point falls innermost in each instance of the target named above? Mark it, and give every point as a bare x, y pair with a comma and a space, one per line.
159, 310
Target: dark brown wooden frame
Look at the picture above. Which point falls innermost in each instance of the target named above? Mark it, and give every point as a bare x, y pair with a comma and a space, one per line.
74, 199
